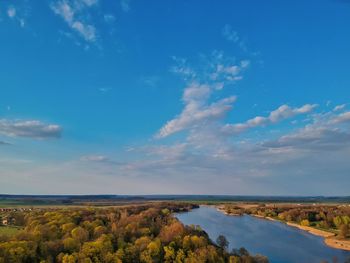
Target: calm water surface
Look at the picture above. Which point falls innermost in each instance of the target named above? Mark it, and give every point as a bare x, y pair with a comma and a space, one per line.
279, 242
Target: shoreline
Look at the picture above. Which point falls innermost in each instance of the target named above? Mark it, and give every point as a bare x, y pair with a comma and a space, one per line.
330, 239
263, 217
311, 230
222, 210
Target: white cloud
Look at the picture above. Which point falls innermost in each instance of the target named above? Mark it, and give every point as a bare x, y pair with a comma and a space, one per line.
109, 18
183, 69
206, 162
11, 12
196, 93
90, 2
211, 155
87, 31
150, 81
21, 22
339, 107
311, 138
125, 4
31, 129
231, 35
105, 89
73, 14
280, 114
215, 69
214, 73
323, 133
341, 118
196, 111
63, 9
94, 158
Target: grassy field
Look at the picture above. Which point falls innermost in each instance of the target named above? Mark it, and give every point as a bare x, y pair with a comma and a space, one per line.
9, 230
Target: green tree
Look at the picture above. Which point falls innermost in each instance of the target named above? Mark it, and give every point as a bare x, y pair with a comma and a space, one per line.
222, 242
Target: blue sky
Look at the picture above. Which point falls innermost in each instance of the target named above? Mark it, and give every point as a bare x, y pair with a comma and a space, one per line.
175, 97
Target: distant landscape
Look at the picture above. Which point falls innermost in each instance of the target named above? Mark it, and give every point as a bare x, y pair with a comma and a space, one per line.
101, 200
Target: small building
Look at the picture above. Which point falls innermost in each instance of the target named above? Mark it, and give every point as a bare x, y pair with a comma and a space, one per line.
5, 221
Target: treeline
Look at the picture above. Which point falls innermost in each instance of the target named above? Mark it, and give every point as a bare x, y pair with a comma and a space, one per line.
143, 233
334, 218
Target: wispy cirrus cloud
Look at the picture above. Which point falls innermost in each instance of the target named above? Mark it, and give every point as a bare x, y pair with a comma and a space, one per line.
125, 5
231, 35
217, 69
109, 18
339, 107
103, 160
94, 158
31, 129
13, 13
73, 13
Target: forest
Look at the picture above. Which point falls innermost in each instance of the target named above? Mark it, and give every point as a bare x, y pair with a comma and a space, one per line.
131, 233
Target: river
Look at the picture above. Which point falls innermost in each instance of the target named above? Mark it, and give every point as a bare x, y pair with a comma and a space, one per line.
279, 242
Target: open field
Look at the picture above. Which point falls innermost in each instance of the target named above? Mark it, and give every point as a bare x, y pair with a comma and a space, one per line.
9, 230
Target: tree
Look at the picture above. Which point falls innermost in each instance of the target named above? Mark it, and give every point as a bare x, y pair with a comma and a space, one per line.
70, 258
99, 231
343, 231
168, 233
234, 259
337, 221
71, 244
305, 222
222, 242
169, 255
80, 234
243, 252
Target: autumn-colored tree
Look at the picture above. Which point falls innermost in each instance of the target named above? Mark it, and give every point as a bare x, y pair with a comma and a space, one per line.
344, 231
80, 234
305, 222
140, 233
71, 245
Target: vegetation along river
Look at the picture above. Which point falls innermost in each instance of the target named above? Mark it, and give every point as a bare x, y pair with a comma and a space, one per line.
279, 242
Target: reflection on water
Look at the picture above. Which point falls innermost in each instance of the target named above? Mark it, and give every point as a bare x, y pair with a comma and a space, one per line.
279, 242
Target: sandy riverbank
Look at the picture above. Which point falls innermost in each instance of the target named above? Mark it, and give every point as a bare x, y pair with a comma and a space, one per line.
312, 230
339, 244
222, 210
329, 238
263, 217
